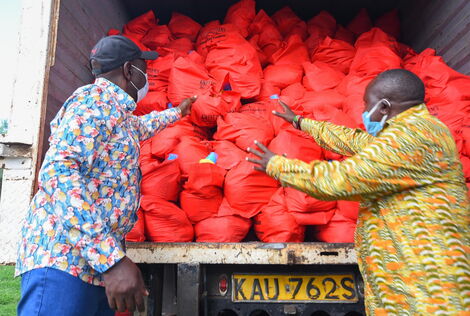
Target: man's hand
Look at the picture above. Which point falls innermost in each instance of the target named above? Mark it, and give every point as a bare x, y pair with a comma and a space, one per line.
125, 287
185, 105
263, 153
288, 114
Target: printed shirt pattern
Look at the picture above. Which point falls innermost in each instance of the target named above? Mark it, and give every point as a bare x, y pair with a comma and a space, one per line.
88, 184
413, 234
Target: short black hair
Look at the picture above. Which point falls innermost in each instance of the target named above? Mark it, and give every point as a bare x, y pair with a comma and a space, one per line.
401, 85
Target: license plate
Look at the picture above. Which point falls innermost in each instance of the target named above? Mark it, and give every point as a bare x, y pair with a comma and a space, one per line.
311, 288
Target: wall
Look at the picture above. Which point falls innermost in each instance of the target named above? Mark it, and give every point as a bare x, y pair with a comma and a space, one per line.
440, 24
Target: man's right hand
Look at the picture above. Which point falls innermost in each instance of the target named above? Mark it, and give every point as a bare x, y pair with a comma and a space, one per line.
288, 114
125, 286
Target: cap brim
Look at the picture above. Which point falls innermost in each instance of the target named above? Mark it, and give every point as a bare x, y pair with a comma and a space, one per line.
149, 55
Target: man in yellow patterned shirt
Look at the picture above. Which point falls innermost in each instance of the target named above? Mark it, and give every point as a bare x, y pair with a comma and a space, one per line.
412, 237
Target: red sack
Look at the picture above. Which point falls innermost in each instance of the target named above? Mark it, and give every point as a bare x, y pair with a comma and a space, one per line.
235, 57
314, 100
376, 37
296, 91
324, 22
300, 202
263, 59
229, 154
222, 229
267, 90
165, 222
161, 180
190, 150
137, 233
202, 193
207, 109
319, 76
269, 36
354, 107
292, 52
361, 23
389, 23
336, 53
300, 30
153, 101
354, 84
181, 46
158, 72
275, 224
345, 35
113, 32
285, 20
281, 76
466, 140
183, 26
247, 190
188, 79
297, 145
466, 166
339, 230
158, 35
374, 60
138, 27
333, 115
244, 129
349, 209
241, 14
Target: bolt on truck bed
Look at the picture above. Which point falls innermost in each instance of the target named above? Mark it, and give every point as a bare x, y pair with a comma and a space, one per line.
250, 278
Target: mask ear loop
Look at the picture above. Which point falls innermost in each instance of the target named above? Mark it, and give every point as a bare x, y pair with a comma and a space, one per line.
382, 122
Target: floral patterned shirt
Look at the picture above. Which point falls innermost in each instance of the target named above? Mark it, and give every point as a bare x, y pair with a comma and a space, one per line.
88, 184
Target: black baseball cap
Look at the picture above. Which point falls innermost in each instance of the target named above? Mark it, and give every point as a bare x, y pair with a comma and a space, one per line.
113, 51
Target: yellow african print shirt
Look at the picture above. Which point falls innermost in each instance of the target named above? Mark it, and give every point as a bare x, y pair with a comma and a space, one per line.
413, 234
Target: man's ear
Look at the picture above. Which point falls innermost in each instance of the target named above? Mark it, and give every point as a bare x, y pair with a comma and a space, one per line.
126, 70
385, 106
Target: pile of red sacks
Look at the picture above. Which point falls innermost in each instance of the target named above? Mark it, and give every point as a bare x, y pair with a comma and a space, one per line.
318, 67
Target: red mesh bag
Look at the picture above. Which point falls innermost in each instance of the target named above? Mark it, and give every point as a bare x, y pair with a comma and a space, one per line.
244, 129
138, 27
158, 35
230, 228
190, 150
361, 23
137, 233
275, 224
165, 222
340, 229
202, 193
187, 79
247, 190
320, 76
206, 109
229, 154
153, 101
336, 53
241, 14
389, 23
296, 145
183, 26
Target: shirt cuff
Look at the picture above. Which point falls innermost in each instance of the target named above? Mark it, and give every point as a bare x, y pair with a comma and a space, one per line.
102, 254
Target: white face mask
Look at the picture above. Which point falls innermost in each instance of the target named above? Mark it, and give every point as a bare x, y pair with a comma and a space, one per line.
142, 92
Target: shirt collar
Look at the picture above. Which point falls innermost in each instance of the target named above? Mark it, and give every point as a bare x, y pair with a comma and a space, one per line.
125, 100
418, 110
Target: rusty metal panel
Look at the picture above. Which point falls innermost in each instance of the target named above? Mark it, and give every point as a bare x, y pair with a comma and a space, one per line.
442, 25
242, 253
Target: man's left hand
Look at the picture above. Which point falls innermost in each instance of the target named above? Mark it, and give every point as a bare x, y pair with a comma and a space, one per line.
263, 153
185, 105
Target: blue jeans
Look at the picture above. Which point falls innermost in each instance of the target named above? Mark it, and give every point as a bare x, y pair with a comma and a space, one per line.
52, 292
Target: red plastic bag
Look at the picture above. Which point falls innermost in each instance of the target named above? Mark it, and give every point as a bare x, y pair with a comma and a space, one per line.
137, 233
190, 150
202, 193
269, 36
301, 202
390, 23
281, 76
295, 91
345, 35
354, 107
319, 76
333, 115
153, 101
336, 53
296, 145
300, 30
222, 229
158, 35
374, 60
241, 14
340, 229
206, 109
466, 140
349, 209
361, 23
183, 26
244, 129
138, 27
355, 84
323, 22
247, 190
158, 72
285, 20
161, 180
229, 154
376, 37
181, 46
267, 90
275, 224
263, 59
314, 100
165, 222
187, 79
292, 52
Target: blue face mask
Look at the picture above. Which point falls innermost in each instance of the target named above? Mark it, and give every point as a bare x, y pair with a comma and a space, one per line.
374, 128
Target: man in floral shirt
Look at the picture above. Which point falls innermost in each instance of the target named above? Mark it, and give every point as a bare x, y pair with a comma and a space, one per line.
71, 254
